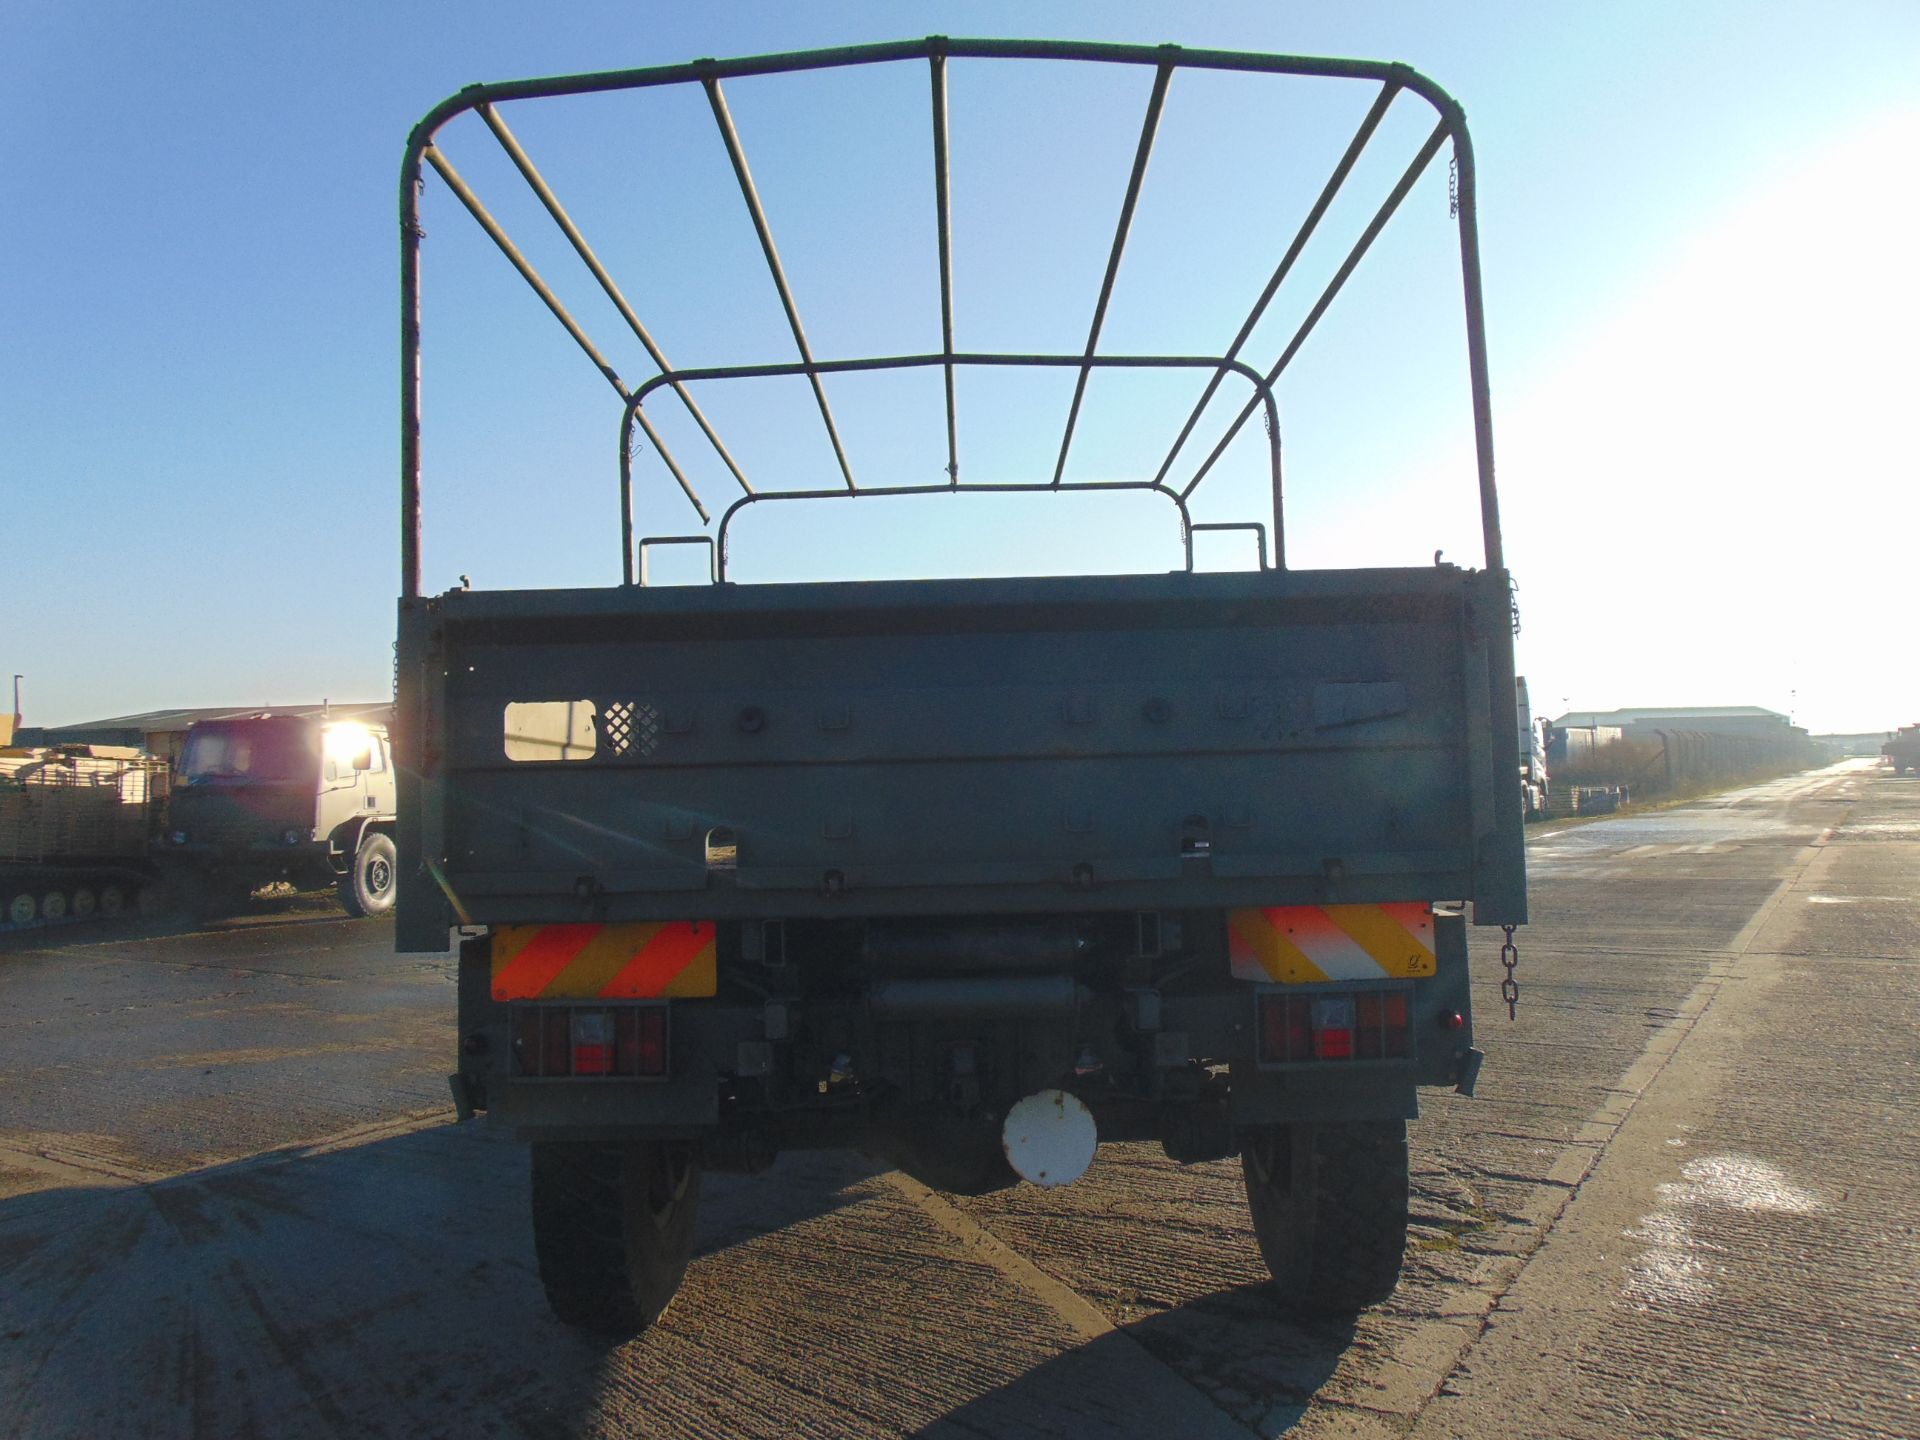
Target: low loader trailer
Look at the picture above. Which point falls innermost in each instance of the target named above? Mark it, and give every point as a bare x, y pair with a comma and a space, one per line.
975, 874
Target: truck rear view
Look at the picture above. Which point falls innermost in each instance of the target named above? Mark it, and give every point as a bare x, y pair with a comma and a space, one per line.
972, 873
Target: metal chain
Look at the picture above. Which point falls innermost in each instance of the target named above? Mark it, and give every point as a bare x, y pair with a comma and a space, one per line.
1510, 987
1453, 187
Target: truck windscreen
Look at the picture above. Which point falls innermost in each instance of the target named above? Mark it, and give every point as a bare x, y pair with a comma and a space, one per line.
256, 750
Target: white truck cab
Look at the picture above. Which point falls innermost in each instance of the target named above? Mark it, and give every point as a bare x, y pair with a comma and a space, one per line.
267, 797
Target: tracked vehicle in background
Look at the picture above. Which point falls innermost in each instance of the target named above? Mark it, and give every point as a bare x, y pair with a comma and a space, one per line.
972, 873
76, 822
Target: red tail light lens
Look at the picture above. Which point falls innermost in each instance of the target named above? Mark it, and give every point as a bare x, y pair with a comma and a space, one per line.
1299, 1028
1273, 1028
648, 1055
1365, 1025
1285, 1029
1366, 1036
553, 1041
526, 1041
1396, 1032
554, 1059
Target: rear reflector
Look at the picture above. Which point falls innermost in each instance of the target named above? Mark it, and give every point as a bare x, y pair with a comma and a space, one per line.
583, 1041
1320, 1027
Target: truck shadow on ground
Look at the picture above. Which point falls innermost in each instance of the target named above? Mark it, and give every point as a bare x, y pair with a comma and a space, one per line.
1227, 1364
389, 1289
384, 1289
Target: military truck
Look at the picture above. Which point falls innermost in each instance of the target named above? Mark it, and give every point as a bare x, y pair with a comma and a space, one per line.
266, 797
1534, 784
972, 873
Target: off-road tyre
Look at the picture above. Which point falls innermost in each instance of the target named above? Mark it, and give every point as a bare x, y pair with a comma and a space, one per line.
1329, 1207
613, 1228
369, 884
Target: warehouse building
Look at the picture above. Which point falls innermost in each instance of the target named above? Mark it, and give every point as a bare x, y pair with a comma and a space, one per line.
1700, 719
164, 732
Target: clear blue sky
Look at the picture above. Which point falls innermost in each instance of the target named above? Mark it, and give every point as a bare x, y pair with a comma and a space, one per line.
1701, 304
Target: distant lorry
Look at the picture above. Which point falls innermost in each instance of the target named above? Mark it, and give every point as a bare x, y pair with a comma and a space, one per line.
75, 825
270, 797
974, 874
1902, 750
1534, 788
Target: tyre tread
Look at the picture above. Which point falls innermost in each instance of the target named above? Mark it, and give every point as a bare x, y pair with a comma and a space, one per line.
1338, 1247
578, 1237
605, 1263
1361, 1174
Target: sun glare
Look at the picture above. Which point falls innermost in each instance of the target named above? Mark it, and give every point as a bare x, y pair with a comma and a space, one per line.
1712, 497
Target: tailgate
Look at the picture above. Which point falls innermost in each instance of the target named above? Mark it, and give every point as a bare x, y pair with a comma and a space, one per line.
989, 746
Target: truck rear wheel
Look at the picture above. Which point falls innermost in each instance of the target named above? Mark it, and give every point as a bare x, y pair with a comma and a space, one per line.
1329, 1207
613, 1228
367, 887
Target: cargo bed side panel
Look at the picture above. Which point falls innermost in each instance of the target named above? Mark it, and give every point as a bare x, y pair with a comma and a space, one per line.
956, 747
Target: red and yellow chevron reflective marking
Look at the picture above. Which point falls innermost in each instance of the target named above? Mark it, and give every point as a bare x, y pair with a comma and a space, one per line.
1302, 944
654, 961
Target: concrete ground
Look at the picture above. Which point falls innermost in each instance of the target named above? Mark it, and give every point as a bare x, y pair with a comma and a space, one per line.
232, 1201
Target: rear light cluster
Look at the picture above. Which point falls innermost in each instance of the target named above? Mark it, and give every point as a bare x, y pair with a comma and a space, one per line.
1301, 1029
627, 1041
